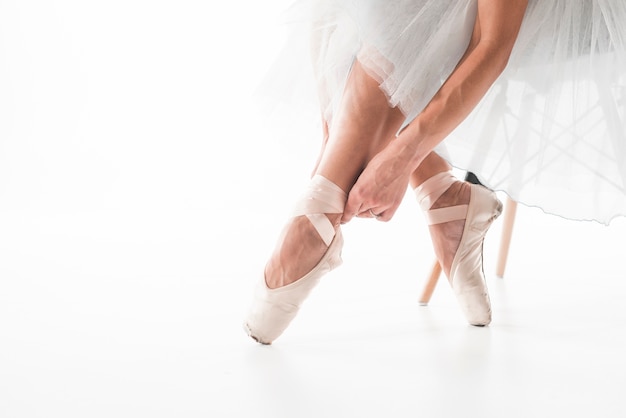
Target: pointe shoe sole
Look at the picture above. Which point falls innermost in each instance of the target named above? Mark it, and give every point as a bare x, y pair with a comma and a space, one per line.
467, 277
274, 309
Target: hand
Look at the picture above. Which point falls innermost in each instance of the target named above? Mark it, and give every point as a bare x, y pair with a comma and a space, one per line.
379, 189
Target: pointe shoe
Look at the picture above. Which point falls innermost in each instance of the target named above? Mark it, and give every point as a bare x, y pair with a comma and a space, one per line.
273, 309
467, 277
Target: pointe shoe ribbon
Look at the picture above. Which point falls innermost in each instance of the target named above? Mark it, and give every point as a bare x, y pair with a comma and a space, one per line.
322, 197
273, 309
430, 191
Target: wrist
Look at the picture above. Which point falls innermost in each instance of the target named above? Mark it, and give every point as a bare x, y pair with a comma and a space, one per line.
412, 146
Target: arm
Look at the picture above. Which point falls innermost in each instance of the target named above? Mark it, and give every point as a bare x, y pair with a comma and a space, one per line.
495, 32
383, 183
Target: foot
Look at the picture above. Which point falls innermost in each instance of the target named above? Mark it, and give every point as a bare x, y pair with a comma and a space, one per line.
298, 250
310, 246
446, 236
459, 215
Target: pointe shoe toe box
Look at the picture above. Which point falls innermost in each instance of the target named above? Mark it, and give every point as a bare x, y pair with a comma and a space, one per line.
466, 274
273, 309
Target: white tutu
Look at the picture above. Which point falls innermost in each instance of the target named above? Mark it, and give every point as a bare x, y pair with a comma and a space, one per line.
551, 132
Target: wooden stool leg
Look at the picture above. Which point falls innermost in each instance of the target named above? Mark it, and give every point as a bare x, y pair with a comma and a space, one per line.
507, 231
429, 288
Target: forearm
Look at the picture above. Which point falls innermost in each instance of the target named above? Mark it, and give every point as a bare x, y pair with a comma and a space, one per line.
454, 101
382, 184
495, 31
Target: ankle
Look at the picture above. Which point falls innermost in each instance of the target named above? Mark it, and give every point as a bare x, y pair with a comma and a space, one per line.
458, 193
297, 252
429, 191
335, 219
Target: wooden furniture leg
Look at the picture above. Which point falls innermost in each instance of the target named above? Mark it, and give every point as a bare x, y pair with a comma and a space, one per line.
435, 272
507, 231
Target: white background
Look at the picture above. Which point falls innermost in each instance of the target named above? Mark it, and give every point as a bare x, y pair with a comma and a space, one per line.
140, 193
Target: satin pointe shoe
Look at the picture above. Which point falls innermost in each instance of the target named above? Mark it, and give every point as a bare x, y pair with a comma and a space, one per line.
273, 310
466, 277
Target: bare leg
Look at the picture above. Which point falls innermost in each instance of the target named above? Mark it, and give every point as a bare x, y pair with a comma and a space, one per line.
445, 236
310, 244
459, 215
323, 148
431, 165
364, 126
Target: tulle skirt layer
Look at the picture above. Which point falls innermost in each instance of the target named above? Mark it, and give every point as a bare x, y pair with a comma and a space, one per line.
551, 132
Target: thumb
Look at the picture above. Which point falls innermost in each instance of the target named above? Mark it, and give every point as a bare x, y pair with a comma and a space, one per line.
350, 210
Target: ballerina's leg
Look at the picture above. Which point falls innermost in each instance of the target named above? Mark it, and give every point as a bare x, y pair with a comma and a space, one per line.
310, 243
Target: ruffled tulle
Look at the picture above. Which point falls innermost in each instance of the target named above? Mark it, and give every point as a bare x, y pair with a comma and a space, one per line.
551, 132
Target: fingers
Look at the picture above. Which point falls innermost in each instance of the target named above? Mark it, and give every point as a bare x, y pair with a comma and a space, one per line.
356, 207
359, 206
370, 213
386, 215
377, 193
351, 209
373, 214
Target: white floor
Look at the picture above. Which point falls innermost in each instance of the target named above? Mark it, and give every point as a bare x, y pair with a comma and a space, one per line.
140, 197
126, 314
